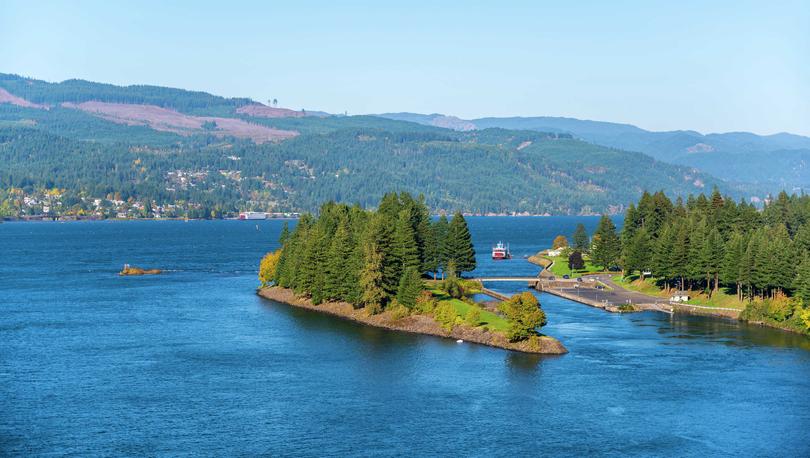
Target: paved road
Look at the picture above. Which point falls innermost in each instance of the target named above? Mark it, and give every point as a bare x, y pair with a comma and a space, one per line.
617, 296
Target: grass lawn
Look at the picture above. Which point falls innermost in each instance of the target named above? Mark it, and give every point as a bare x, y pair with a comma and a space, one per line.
560, 267
470, 287
489, 319
648, 286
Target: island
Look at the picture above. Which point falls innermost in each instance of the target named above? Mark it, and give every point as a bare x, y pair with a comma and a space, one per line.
395, 268
132, 270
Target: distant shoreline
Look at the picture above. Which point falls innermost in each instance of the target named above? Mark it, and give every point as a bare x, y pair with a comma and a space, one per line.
415, 324
282, 218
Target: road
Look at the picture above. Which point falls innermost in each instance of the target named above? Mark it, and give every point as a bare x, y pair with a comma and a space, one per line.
617, 296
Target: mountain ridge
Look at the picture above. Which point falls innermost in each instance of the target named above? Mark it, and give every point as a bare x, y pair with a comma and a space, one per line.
141, 148
683, 147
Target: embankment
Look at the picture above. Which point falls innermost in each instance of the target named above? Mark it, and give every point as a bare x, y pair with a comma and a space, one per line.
418, 324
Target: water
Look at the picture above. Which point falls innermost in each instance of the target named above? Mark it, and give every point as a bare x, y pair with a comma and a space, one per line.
193, 362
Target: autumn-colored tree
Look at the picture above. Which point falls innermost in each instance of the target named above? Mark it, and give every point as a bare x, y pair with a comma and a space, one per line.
559, 242
267, 268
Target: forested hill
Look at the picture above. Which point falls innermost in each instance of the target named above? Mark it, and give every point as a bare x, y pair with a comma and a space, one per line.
733, 156
78, 91
94, 149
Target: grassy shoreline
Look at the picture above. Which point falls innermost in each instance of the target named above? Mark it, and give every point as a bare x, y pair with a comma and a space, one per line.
417, 324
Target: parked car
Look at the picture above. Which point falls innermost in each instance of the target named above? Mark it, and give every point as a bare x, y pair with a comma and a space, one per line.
566, 276
579, 279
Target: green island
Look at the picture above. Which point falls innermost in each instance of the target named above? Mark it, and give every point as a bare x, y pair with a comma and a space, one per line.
397, 269
708, 252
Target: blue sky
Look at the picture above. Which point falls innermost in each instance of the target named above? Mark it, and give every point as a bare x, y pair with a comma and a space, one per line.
728, 66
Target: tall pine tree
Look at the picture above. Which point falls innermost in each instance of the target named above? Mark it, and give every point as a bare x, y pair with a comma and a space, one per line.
459, 244
607, 248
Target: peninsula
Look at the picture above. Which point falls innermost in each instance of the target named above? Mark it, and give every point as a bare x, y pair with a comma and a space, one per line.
708, 255
396, 269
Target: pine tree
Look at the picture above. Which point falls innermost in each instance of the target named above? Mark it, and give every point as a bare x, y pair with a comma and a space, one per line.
430, 263
632, 223
580, 239
801, 282
459, 244
441, 231
285, 234
802, 240
607, 247
698, 262
410, 285
732, 260
338, 274
313, 264
782, 259
373, 294
353, 267
636, 254
679, 260
713, 253
380, 234
405, 252
662, 255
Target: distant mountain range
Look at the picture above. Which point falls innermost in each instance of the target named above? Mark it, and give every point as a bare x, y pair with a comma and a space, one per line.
85, 148
779, 160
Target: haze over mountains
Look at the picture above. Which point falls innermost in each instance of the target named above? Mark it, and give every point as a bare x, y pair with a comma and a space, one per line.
200, 154
774, 161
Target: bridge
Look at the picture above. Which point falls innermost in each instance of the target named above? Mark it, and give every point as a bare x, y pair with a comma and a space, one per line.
532, 282
526, 279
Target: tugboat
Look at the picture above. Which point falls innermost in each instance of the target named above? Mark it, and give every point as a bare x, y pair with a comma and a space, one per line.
499, 251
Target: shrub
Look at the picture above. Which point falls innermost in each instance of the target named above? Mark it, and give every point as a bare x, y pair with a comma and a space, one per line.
626, 308
524, 314
372, 309
446, 316
804, 316
453, 287
399, 311
780, 309
473, 317
534, 343
425, 303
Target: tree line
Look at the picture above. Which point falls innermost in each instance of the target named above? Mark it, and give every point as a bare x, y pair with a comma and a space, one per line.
368, 258
712, 243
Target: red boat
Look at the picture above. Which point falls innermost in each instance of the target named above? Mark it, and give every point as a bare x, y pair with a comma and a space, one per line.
499, 251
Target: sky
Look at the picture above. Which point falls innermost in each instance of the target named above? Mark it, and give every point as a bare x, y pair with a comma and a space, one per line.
707, 66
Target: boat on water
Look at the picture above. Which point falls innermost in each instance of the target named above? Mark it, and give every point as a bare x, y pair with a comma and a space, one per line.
501, 251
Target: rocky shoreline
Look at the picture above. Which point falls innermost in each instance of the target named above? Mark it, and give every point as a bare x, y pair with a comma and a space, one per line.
417, 324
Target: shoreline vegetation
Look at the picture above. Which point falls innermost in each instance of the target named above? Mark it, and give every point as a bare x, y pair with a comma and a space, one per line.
232, 217
706, 256
415, 324
397, 268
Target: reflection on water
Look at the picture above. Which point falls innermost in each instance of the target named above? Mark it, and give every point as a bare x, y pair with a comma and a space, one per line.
731, 332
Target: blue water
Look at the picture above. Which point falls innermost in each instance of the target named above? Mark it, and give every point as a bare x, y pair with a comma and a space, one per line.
192, 362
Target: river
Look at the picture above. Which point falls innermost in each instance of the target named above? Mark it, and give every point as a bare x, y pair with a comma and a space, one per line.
193, 362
